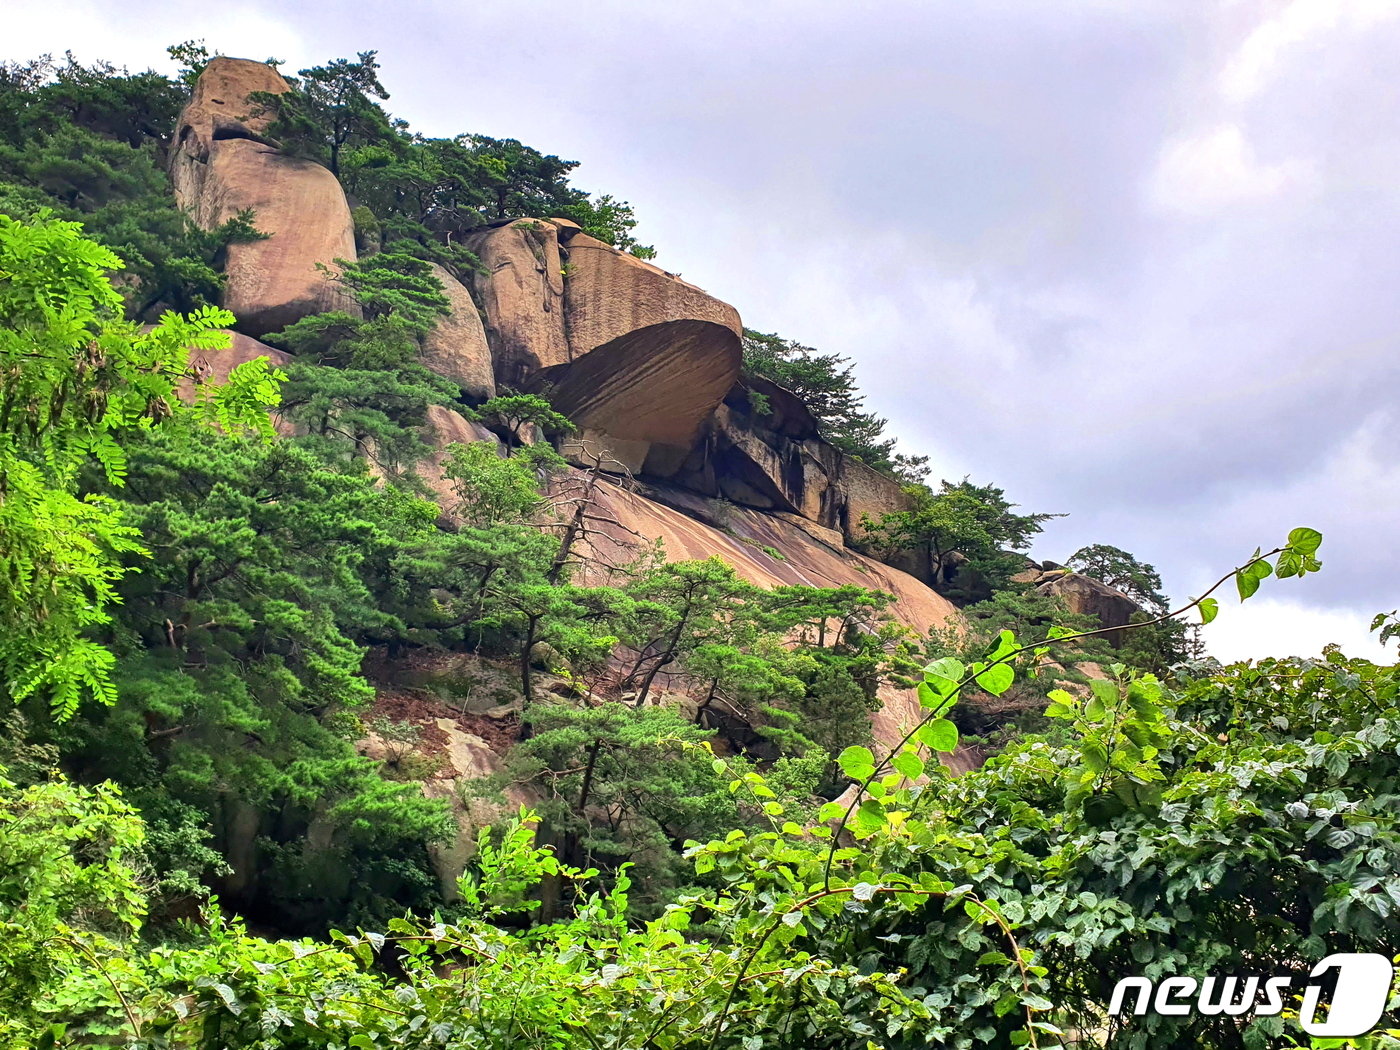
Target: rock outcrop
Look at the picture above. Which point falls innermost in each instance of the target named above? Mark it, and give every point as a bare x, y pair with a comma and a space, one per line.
521, 290
610, 294
456, 348
1086, 596
219, 110
646, 364
776, 460
650, 356
223, 164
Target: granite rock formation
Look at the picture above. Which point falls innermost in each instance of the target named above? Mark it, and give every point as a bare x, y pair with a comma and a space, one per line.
521, 291
1086, 596
222, 163
456, 348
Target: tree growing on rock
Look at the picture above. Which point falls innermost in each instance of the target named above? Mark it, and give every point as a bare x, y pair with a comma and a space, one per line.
329, 109
827, 386
977, 522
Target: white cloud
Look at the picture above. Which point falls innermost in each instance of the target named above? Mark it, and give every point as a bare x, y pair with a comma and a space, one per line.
1202, 174
1280, 627
95, 31
1256, 64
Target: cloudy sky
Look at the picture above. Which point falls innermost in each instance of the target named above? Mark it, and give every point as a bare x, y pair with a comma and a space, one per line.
1133, 260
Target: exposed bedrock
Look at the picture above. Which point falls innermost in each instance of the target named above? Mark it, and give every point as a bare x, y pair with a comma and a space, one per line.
222, 163
653, 385
521, 292
775, 460
1087, 596
456, 348
690, 527
609, 294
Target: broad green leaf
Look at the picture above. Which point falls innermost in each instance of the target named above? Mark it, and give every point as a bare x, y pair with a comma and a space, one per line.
1290, 563
830, 811
1210, 609
908, 764
939, 735
929, 698
944, 674
857, 762
1095, 754
1305, 540
997, 679
870, 817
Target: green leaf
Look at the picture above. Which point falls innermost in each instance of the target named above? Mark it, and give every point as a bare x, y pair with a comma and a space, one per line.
1290, 563
1246, 584
938, 735
1305, 540
944, 674
830, 811
997, 679
1095, 754
857, 762
1210, 608
908, 764
870, 817
929, 698
1006, 645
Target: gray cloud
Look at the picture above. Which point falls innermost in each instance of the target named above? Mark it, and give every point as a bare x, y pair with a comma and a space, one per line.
1134, 261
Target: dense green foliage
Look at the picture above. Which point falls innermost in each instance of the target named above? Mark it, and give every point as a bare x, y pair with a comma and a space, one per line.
78, 380
976, 522
89, 144
1166, 828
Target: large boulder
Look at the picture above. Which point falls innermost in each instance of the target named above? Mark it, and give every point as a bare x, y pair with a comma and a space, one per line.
1088, 597
456, 348
219, 108
652, 385
222, 164
654, 355
521, 290
609, 294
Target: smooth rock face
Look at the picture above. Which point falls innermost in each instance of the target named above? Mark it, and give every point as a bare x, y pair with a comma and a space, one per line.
275, 282
218, 109
222, 165
522, 294
1088, 597
456, 348
638, 356
609, 294
655, 384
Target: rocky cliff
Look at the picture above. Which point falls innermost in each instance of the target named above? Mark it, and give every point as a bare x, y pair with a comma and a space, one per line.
676, 443
646, 364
